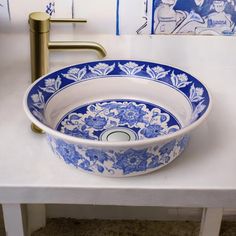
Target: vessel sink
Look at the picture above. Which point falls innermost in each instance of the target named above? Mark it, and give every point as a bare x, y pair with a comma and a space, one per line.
117, 118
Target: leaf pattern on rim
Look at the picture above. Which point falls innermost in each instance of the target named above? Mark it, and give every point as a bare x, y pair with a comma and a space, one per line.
38, 100
198, 109
52, 85
130, 68
157, 72
38, 114
75, 74
196, 94
180, 80
102, 69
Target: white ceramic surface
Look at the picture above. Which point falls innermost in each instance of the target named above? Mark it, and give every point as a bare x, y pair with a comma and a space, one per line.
118, 118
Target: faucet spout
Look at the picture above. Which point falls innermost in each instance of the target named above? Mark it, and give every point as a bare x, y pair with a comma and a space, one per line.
80, 45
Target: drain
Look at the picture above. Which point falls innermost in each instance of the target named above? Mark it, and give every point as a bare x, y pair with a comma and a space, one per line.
118, 135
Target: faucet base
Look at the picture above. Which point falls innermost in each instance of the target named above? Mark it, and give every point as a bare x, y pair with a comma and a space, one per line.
36, 129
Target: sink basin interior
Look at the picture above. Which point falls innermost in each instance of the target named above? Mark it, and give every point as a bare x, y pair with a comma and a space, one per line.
118, 109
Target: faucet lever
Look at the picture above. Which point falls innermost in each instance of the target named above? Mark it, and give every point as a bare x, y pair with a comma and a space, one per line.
68, 20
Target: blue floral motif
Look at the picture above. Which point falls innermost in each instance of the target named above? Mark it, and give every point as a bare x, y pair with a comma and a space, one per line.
155, 162
38, 114
85, 165
166, 152
102, 69
91, 120
173, 129
122, 162
196, 94
180, 80
131, 68
75, 74
164, 159
50, 8
68, 152
168, 147
72, 126
48, 86
131, 161
52, 85
38, 100
157, 72
131, 114
152, 131
182, 143
96, 122
197, 111
79, 133
100, 168
96, 155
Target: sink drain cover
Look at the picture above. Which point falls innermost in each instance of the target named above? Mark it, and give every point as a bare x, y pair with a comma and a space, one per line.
118, 135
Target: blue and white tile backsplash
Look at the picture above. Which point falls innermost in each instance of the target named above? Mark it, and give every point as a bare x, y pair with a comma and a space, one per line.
130, 21
195, 17
20, 10
4, 11
211, 17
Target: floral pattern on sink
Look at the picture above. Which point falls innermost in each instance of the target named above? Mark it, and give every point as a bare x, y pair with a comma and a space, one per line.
143, 119
119, 163
160, 74
176, 79
127, 115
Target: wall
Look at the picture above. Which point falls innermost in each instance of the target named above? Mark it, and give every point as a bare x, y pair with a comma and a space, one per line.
194, 17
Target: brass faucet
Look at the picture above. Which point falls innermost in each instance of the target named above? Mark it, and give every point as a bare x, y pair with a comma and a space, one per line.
40, 45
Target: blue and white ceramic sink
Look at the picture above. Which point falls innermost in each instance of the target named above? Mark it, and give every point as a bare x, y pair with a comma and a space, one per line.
117, 118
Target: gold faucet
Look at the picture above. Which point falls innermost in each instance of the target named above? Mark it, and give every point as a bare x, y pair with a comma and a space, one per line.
40, 45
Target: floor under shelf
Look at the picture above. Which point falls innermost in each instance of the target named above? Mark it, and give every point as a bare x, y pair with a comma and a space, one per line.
73, 227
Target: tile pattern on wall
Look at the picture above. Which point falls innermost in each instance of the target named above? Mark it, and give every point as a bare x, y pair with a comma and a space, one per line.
55, 8
195, 17
51, 8
4, 11
133, 17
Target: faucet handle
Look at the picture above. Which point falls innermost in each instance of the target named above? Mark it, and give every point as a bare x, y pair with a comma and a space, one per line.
68, 20
40, 21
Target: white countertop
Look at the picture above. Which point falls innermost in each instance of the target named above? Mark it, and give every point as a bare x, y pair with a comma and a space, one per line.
203, 176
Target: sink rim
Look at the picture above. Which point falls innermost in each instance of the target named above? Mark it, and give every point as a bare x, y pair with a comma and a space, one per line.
99, 143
